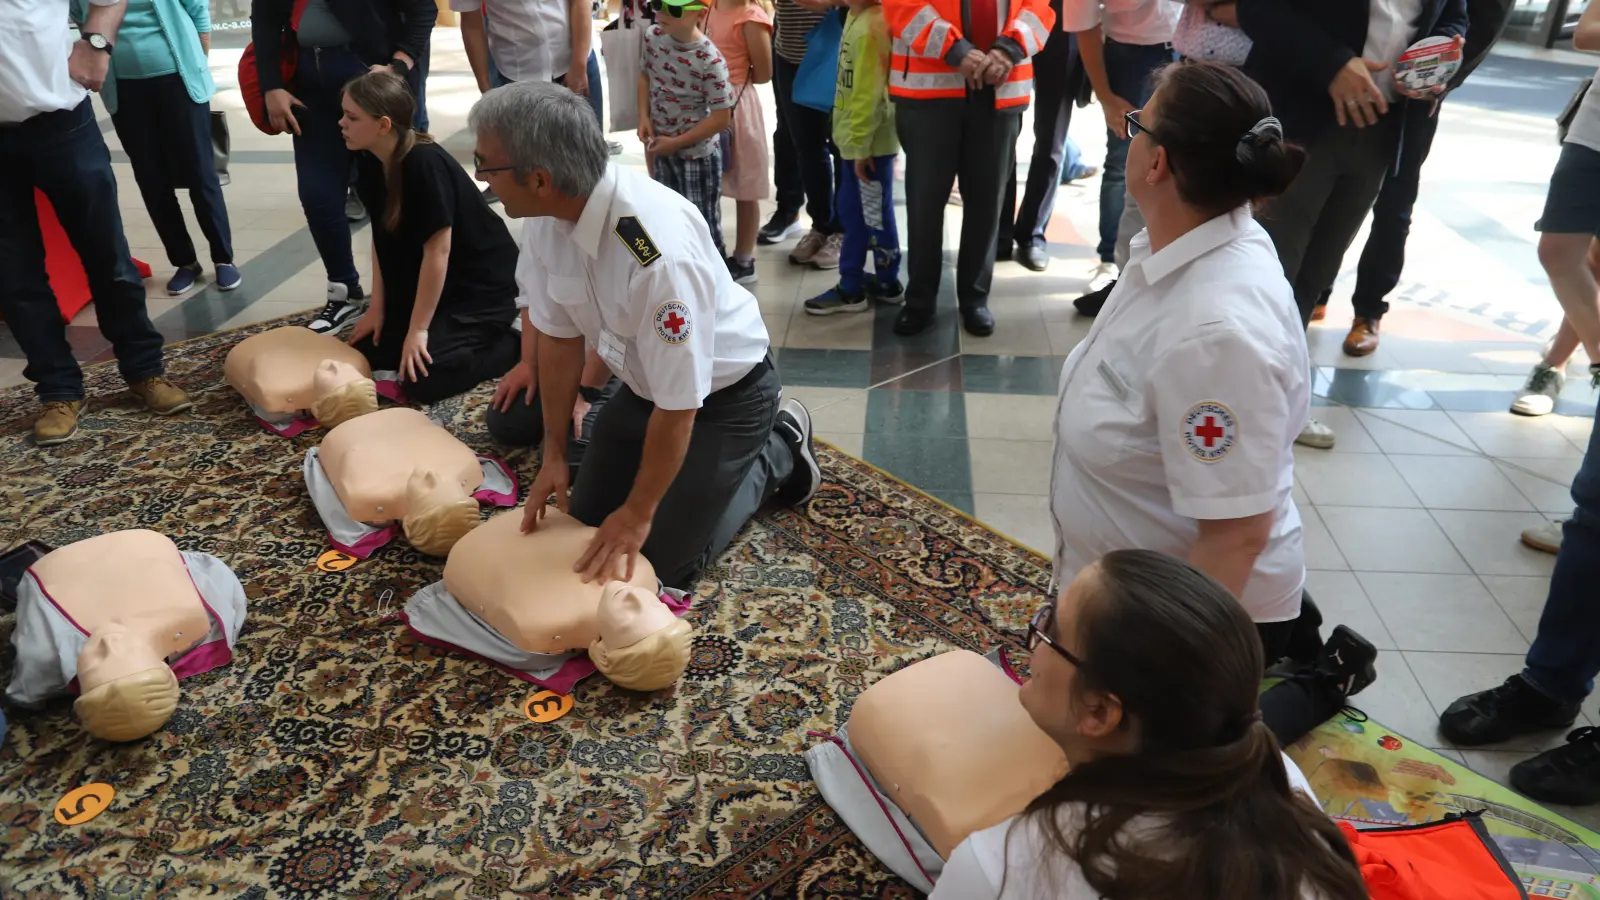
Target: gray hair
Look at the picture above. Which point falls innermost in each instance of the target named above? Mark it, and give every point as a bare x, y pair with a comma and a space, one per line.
546, 127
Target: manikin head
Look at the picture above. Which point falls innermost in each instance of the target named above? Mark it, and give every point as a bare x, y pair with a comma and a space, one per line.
439, 512
341, 393
540, 149
642, 645
126, 690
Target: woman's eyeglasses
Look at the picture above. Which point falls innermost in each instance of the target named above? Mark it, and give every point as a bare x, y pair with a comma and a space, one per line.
1134, 125
1042, 620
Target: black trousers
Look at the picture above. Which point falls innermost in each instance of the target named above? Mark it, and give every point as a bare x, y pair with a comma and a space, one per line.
790, 191
465, 354
1058, 76
1299, 638
734, 464
522, 425
945, 140
1384, 256
168, 140
811, 140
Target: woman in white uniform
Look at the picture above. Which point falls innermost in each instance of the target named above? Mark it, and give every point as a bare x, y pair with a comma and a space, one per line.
1177, 414
1146, 676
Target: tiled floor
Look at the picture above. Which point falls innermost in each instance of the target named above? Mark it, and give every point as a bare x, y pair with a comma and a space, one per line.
1411, 522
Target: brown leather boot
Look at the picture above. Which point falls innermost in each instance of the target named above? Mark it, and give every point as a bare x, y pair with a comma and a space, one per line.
1363, 337
57, 423
161, 396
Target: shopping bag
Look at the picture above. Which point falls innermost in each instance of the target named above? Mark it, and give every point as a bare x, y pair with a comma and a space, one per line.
814, 83
621, 42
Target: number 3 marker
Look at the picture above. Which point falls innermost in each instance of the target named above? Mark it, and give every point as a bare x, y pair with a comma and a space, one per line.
547, 706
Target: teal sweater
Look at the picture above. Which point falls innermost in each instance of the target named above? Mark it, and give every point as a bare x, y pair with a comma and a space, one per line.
181, 23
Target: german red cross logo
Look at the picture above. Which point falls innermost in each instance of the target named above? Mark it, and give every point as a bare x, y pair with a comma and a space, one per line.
672, 322
1209, 431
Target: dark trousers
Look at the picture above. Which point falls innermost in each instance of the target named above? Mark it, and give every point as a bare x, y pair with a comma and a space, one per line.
1058, 76
1128, 68
945, 140
1384, 256
63, 154
321, 159
420, 120
465, 354
735, 463
168, 140
790, 191
811, 137
1314, 221
522, 425
1299, 638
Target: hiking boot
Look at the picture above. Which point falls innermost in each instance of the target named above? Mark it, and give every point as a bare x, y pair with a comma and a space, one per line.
1348, 658
57, 423
794, 426
1538, 396
161, 396
1513, 709
808, 248
1568, 774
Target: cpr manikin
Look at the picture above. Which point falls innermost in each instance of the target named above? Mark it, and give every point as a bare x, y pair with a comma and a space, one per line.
118, 619
395, 469
513, 599
932, 753
295, 379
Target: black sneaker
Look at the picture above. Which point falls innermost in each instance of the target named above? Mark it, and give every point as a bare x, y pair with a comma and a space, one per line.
1569, 774
1348, 658
783, 225
1501, 713
890, 292
1091, 303
342, 306
742, 272
794, 425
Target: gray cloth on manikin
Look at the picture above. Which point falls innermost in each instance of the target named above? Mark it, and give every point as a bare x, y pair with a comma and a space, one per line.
436, 613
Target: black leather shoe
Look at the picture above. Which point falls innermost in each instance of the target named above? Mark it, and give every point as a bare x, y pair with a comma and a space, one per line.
1568, 774
1501, 713
978, 322
912, 320
1033, 258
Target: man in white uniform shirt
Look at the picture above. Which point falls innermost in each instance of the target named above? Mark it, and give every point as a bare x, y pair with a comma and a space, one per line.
49, 141
694, 442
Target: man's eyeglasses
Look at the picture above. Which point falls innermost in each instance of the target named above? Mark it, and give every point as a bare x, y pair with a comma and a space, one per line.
1134, 125
1042, 620
480, 169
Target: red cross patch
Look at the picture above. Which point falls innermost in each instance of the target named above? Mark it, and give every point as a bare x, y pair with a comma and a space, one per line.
1209, 431
672, 322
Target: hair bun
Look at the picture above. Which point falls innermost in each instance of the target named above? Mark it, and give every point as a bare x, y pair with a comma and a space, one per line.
1264, 132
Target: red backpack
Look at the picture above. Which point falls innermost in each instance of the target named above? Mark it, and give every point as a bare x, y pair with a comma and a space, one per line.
250, 80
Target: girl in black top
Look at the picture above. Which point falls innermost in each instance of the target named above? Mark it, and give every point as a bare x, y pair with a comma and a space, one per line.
443, 263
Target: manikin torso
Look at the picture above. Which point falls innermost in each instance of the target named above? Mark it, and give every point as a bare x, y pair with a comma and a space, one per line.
948, 739
523, 585
370, 459
132, 593
275, 370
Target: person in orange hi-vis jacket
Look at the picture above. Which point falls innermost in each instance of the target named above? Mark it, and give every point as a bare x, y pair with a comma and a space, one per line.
960, 75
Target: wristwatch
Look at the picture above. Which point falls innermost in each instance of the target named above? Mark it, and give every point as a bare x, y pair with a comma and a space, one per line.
400, 67
97, 41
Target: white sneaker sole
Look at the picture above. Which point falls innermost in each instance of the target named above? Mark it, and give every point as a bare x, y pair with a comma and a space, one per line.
1534, 405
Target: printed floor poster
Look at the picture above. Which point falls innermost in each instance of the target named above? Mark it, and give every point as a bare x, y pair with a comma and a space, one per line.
1368, 775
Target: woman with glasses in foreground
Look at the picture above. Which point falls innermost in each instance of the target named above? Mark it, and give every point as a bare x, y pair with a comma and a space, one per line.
1146, 673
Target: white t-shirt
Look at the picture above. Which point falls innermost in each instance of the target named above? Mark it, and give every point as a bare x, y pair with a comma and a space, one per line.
1183, 403
638, 278
1391, 28
36, 37
529, 40
1142, 22
980, 863
1585, 130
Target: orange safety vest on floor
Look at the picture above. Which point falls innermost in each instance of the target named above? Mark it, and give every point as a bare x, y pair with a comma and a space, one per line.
1455, 859
925, 31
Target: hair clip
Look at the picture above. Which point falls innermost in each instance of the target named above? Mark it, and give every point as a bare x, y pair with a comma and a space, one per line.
1268, 129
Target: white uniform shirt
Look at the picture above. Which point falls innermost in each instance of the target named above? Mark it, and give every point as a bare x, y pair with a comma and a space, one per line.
1391, 25
529, 40
639, 279
1126, 21
980, 863
36, 38
1183, 403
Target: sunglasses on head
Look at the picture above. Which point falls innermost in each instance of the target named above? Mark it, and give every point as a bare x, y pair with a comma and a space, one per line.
1038, 630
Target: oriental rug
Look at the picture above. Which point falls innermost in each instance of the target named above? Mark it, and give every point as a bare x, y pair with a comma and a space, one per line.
337, 757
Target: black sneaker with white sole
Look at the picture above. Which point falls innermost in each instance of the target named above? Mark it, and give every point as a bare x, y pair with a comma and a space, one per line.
783, 225
344, 304
1350, 659
794, 426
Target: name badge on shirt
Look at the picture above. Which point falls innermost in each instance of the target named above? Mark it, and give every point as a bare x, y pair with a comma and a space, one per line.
613, 350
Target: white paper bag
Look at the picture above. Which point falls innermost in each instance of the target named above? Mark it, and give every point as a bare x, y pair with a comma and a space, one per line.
621, 46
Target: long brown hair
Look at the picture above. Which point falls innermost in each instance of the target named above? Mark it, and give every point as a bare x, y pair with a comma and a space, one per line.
385, 94
1183, 658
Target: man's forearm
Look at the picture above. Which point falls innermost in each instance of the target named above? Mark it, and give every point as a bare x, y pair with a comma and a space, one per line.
560, 364
1092, 50
595, 372
476, 42
666, 441
530, 343
1227, 549
106, 20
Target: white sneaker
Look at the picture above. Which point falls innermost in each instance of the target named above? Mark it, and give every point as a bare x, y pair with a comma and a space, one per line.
1103, 275
1538, 396
1545, 536
1316, 435
337, 311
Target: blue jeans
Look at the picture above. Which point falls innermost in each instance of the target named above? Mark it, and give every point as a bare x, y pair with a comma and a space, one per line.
881, 237
1128, 68
1565, 656
322, 162
63, 154
597, 96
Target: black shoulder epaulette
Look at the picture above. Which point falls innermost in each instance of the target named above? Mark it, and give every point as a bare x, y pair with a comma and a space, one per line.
637, 240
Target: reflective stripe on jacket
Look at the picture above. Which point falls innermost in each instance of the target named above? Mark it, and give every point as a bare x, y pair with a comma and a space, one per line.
929, 44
